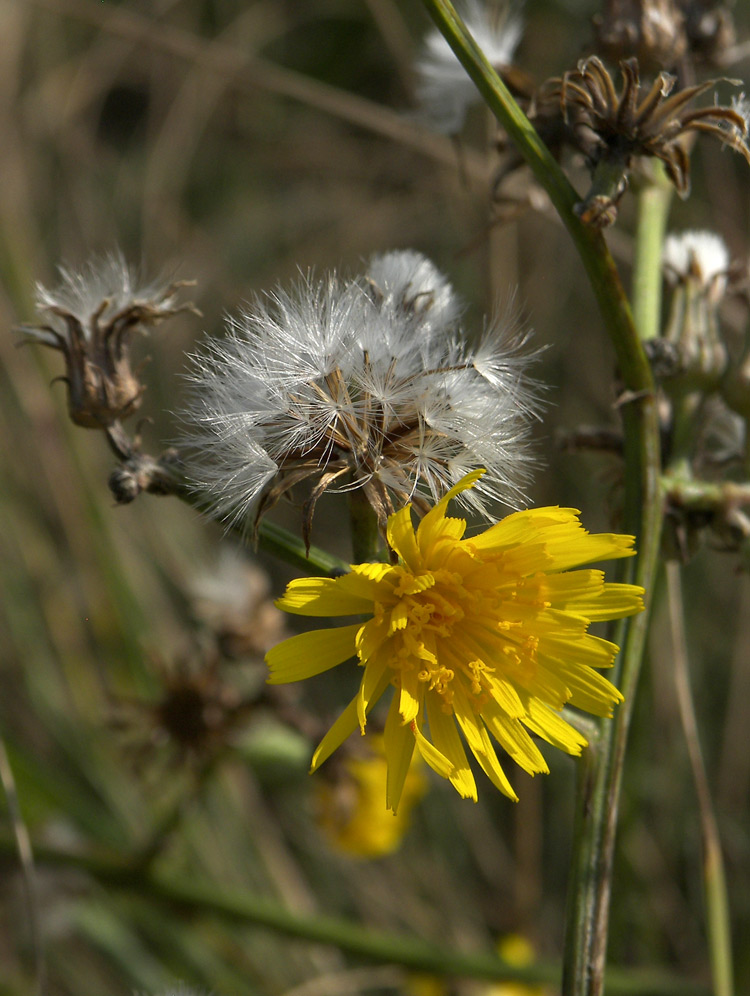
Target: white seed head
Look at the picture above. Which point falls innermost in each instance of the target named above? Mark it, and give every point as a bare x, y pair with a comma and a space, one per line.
359, 383
444, 90
702, 257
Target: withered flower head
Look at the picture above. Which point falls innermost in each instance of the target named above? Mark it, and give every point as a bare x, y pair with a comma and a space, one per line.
613, 129
91, 317
709, 26
193, 715
653, 31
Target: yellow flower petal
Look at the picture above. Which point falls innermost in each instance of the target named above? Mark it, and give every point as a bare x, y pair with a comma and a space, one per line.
615, 601
437, 761
448, 743
410, 696
588, 548
311, 653
589, 690
399, 747
523, 529
327, 596
512, 737
482, 749
401, 537
587, 651
551, 727
432, 523
375, 670
344, 726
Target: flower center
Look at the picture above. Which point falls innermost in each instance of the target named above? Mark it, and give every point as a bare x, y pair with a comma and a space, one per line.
429, 618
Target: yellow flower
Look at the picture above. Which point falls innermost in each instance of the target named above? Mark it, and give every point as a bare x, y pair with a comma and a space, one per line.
351, 811
517, 951
486, 634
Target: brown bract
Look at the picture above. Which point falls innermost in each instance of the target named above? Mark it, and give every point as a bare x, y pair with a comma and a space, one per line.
614, 128
361, 448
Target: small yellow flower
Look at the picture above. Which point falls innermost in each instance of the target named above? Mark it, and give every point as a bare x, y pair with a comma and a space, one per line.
486, 635
350, 807
517, 951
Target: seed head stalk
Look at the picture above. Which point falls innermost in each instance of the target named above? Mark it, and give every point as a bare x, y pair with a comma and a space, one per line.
586, 934
366, 542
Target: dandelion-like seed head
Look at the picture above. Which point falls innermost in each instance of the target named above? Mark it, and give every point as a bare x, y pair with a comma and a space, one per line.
444, 91
364, 383
91, 317
486, 635
691, 354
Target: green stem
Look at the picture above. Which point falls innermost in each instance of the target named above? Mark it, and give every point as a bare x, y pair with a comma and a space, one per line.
366, 542
286, 546
589, 242
588, 923
654, 201
714, 880
715, 497
272, 538
589, 905
413, 953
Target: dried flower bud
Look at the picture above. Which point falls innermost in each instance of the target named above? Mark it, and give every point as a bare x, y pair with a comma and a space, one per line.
140, 472
709, 26
692, 356
651, 30
91, 318
194, 715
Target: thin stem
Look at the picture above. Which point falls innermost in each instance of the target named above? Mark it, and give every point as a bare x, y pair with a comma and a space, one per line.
654, 201
589, 904
589, 242
290, 548
163, 476
26, 860
362, 941
366, 542
590, 924
714, 881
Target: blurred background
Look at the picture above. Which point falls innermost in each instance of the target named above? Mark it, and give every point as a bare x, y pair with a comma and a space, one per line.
235, 143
